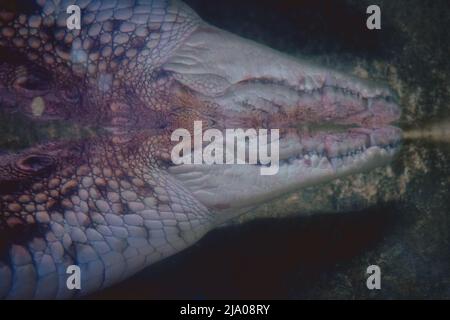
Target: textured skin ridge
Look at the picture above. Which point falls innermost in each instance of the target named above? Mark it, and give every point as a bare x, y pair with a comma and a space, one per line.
113, 35
105, 207
115, 52
107, 204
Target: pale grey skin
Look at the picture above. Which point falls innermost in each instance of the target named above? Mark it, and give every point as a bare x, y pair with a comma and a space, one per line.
115, 204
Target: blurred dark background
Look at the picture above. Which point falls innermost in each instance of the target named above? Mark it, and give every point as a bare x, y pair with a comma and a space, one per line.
309, 26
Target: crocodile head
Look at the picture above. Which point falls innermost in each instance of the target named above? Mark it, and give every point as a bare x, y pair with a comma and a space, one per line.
116, 202
330, 124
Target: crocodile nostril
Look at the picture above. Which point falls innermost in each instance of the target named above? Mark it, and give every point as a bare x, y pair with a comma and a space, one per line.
35, 163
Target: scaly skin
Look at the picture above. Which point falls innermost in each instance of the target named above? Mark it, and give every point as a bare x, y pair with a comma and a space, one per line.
115, 204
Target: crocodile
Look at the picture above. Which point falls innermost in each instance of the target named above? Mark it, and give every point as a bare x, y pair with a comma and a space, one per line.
114, 203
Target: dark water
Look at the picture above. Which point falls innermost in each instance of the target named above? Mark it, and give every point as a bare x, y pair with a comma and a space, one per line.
326, 256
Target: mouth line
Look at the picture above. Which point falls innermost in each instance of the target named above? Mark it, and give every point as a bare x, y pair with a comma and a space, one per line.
332, 108
338, 150
315, 159
329, 83
278, 104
